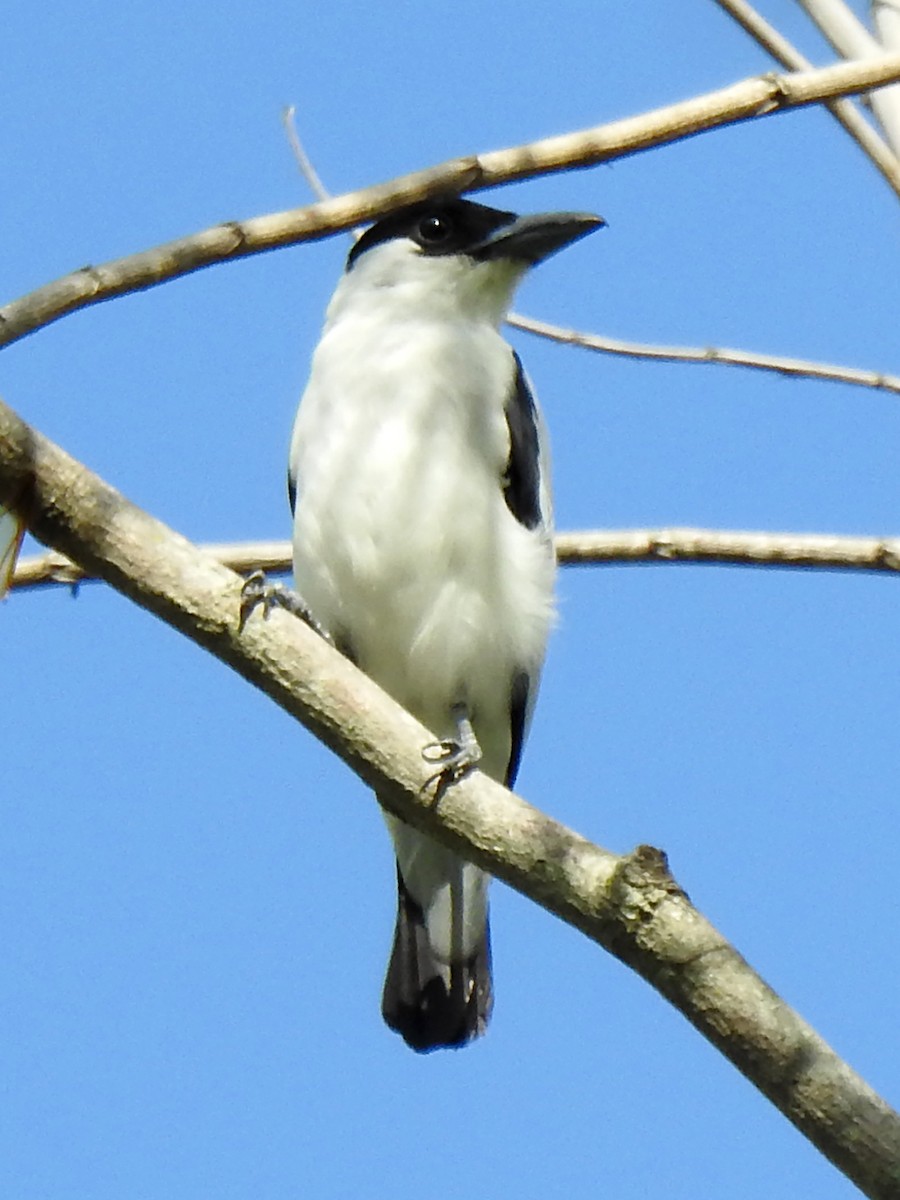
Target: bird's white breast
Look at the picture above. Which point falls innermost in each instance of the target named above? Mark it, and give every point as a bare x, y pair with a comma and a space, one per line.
403, 543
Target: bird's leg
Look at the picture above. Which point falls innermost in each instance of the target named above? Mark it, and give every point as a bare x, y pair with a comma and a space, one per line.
454, 757
258, 591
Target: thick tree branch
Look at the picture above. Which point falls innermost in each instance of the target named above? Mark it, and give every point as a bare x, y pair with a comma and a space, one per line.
630, 905
602, 547
751, 98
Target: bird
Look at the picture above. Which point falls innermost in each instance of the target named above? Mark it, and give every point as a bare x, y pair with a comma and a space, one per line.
423, 543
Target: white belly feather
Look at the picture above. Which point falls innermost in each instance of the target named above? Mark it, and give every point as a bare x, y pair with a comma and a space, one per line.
403, 543
405, 550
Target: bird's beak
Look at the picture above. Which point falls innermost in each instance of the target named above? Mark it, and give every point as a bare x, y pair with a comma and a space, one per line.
531, 239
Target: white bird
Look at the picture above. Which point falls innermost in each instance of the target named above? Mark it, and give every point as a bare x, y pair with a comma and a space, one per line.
423, 542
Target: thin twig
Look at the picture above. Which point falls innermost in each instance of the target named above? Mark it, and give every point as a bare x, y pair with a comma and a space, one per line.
304, 162
605, 547
747, 100
767, 36
732, 547
721, 356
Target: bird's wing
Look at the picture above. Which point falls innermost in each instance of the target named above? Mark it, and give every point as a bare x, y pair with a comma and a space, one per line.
527, 494
522, 477
521, 702
292, 488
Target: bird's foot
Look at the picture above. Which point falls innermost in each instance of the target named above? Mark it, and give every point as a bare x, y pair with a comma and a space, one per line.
258, 592
454, 757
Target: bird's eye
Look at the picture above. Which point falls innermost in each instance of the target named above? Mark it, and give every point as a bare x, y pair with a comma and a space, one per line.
434, 229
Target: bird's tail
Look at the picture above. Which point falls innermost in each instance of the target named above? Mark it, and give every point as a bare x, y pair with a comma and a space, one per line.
428, 1002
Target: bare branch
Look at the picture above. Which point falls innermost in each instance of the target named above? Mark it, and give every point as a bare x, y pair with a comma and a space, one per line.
749, 99
843, 29
737, 548
843, 111
886, 18
631, 906
41, 570
603, 547
304, 162
849, 37
780, 364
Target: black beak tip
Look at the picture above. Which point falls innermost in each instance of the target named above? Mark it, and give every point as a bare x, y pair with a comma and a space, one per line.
585, 223
560, 230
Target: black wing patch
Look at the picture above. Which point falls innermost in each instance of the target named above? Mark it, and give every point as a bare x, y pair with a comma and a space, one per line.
292, 490
522, 477
518, 713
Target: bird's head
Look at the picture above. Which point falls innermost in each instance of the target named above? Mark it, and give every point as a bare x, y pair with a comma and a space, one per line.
455, 257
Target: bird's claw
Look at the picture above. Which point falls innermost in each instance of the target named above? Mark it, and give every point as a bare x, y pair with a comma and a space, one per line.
454, 757
259, 592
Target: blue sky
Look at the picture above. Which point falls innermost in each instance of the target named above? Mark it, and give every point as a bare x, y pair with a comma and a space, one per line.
197, 900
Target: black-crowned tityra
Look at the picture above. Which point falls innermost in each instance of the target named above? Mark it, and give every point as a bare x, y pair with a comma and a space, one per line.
423, 542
